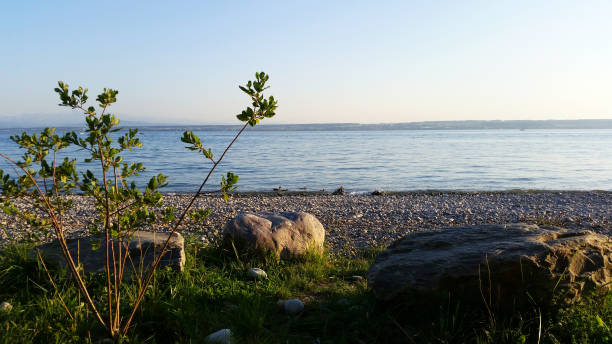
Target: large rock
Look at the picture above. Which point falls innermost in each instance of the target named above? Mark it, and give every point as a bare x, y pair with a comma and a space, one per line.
143, 248
519, 257
287, 234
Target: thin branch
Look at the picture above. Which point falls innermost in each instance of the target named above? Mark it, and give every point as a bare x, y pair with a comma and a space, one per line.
107, 237
117, 284
53, 284
174, 229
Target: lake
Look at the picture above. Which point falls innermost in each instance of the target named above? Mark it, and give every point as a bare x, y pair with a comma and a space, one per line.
362, 161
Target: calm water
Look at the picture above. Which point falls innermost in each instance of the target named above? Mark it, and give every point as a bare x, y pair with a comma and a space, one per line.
385, 160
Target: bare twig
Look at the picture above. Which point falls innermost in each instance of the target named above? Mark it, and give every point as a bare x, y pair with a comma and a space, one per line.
174, 229
53, 284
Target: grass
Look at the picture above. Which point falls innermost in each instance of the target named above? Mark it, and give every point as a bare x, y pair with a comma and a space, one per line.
214, 293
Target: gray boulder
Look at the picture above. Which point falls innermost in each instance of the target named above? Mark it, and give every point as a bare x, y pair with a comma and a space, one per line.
144, 247
287, 234
518, 257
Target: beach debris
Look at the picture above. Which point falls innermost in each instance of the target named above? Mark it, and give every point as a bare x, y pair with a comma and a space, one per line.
5, 307
257, 273
339, 191
517, 255
223, 336
293, 306
279, 189
142, 247
377, 193
287, 234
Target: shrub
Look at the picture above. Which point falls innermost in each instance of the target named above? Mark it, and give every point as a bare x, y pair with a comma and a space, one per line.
46, 182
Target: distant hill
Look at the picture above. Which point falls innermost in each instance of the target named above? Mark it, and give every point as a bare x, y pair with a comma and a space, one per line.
437, 125
76, 121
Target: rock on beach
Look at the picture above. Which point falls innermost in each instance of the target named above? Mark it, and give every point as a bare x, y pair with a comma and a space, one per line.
144, 247
511, 257
286, 234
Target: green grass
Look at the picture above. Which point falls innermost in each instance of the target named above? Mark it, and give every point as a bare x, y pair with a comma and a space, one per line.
214, 293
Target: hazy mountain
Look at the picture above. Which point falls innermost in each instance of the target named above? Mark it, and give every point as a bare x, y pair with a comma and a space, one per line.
76, 120
438, 125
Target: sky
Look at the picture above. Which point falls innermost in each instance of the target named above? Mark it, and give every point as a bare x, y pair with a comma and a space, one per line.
328, 61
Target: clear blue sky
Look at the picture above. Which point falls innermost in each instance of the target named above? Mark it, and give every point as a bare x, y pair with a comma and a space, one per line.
329, 61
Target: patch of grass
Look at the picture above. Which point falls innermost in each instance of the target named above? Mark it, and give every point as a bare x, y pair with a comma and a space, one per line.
214, 293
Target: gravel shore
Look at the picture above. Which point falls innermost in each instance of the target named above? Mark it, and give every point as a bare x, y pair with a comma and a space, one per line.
355, 222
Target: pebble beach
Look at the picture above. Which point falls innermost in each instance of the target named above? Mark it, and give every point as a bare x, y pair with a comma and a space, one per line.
356, 222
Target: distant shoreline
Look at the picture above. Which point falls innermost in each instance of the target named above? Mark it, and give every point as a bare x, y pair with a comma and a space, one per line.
24, 123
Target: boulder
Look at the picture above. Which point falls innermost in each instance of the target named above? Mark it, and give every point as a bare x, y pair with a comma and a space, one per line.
287, 234
144, 247
503, 259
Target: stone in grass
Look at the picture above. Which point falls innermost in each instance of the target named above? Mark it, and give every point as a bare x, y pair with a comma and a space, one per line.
257, 273
223, 336
356, 279
5, 307
543, 261
288, 234
293, 306
144, 247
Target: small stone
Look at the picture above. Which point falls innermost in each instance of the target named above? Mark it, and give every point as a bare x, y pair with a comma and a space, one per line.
257, 273
220, 337
5, 306
356, 278
293, 306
